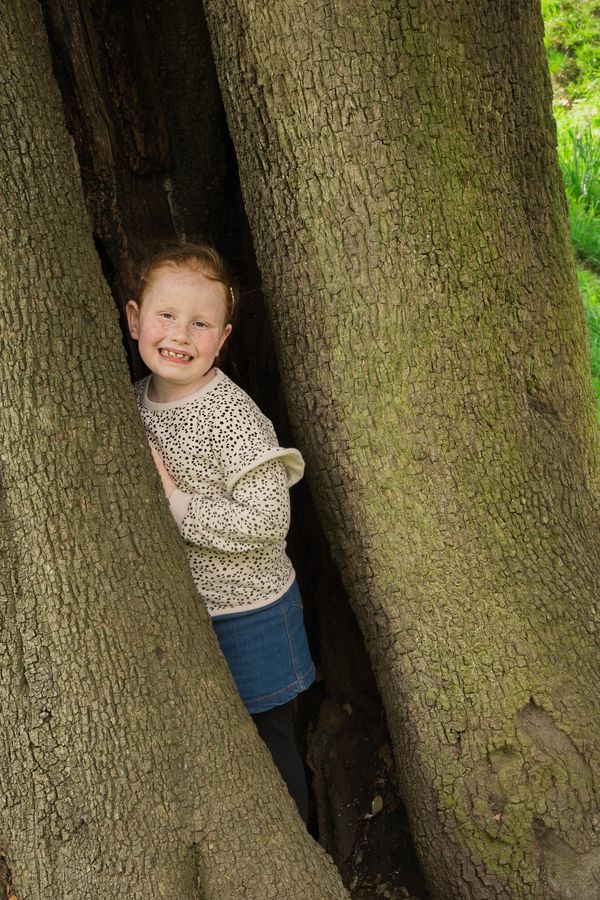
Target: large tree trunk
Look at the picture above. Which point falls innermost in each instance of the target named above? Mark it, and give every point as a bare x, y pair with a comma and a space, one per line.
129, 768
400, 176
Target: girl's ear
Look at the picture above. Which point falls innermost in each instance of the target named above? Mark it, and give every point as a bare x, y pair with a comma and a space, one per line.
224, 336
132, 311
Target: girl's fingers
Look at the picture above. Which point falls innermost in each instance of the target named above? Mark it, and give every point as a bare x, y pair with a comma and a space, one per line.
155, 454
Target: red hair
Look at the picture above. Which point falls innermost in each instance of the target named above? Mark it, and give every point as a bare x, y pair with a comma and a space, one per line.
196, 257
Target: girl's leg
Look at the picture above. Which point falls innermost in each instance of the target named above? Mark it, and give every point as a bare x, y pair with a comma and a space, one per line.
276, 728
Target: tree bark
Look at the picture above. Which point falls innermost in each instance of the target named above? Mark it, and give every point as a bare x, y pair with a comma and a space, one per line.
400, 176
129, 768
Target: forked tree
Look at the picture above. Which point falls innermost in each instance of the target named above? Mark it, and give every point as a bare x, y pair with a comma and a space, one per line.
401, 182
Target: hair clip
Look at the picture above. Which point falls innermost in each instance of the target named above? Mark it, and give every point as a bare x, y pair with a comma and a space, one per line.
232, 297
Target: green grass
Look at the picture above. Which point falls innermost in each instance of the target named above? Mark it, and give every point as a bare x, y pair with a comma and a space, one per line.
589, 285
580, 163
585, 233
573, 50
572, 45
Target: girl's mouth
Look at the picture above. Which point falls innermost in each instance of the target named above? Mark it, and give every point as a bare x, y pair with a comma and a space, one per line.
174, 354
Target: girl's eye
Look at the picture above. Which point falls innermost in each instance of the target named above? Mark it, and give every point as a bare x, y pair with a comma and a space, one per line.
199, 324
166, 315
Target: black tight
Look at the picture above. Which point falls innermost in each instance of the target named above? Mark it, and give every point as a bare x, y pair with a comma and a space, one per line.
276, 728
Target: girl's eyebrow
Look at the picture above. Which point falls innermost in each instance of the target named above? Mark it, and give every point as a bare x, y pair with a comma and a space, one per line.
165, 306
162, 302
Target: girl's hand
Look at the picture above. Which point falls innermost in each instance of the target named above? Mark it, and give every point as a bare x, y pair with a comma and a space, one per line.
168, 483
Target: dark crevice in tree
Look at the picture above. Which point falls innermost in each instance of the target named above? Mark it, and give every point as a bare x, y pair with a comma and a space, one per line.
143, 106
5, 880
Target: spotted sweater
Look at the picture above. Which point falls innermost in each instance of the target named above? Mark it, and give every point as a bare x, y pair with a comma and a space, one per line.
232, 499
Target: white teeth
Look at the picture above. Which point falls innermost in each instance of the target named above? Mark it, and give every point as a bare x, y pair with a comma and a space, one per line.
171, 354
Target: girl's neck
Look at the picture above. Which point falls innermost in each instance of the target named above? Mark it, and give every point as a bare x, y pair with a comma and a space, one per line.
161, 391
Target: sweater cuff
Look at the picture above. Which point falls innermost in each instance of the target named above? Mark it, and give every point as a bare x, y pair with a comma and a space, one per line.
179, 502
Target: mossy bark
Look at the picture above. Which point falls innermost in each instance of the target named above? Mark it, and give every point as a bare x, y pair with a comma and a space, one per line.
128, 766
399, 169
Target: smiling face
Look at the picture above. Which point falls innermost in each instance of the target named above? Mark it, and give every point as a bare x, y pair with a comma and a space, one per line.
180, 327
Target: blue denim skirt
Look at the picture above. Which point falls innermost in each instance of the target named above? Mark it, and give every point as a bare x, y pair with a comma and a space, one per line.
267, 651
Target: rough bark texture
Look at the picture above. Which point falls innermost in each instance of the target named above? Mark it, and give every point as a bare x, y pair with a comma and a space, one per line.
129, 768
399, 171
113, 59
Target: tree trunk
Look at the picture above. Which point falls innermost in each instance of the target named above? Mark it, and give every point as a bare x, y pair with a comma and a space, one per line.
401, 181
129, 768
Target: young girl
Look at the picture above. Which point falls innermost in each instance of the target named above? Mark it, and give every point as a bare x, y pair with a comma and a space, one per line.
227, 483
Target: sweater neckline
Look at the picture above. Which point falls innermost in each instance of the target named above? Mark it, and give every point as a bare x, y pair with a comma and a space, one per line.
183, 401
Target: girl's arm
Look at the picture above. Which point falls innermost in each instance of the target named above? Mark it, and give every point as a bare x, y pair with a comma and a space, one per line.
168, 483
256, 512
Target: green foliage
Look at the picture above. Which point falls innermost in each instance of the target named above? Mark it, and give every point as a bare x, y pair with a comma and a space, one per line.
580, 162
573, 49
585, 232
589, 285
573, 44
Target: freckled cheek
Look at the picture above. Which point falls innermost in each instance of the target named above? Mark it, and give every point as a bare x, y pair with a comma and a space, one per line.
207, 343
152, 334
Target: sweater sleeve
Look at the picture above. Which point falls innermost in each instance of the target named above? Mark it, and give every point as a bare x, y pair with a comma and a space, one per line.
255, 511
243, 439
248, 505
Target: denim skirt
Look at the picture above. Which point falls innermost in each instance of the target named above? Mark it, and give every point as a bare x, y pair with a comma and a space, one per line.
267, 651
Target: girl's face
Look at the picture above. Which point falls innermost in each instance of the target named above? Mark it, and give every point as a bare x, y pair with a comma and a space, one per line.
180, 327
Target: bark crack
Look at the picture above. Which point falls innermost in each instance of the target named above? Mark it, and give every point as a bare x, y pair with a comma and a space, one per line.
6, 891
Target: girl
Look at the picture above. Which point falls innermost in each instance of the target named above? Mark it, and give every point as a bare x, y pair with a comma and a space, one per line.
227, 481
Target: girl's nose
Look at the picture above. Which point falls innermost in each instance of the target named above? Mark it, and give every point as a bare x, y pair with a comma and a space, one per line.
179, 331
